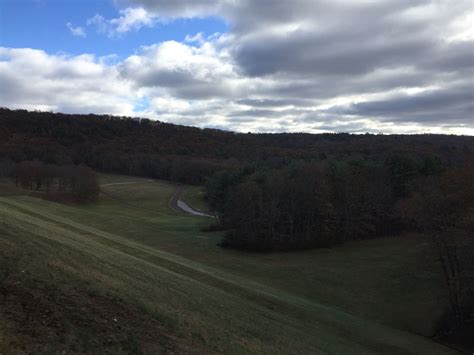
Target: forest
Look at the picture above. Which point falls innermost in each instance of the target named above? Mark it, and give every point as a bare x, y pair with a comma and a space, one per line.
76, 183
271, 192
141, 147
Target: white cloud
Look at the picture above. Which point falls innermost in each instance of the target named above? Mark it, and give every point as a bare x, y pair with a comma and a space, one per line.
76, 31
130, 19
100, 23
197, 38
184, 71
33, 79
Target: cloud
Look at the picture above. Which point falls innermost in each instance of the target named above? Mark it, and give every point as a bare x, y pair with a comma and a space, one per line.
129, 19
33, 79
76, 31
183, 8
340, 38
301, 65
437, 106
184, 71
327, 50
197, 38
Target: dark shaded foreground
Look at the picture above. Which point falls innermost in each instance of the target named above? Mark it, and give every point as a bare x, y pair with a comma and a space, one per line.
38, 317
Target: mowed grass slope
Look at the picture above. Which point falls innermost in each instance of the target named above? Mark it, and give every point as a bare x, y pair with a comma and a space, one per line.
132, 246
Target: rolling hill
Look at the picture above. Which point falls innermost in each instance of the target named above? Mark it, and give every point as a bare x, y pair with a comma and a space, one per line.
143, 263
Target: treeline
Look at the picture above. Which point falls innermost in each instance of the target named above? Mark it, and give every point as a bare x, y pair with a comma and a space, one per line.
315, 204
134, 146
108, 144
78, 183
442, 206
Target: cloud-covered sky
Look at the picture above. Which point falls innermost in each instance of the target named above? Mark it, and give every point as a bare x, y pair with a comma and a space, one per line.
393, 66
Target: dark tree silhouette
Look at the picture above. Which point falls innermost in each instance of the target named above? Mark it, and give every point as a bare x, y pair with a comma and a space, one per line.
80, 182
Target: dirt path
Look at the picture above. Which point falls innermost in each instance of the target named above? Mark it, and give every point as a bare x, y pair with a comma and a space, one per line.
179, 205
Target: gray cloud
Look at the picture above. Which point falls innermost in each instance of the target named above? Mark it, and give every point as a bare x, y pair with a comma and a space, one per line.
266, 113
300, 65
181, 8
276, 102
305, 53
454, 105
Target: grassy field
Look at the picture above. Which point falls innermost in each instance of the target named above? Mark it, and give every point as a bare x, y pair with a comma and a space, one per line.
378, 296
195, 197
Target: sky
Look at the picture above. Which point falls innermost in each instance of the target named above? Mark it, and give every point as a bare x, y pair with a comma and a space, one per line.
392, 66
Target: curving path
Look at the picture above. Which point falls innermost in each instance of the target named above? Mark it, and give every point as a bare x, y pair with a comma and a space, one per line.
180, 206
175, 203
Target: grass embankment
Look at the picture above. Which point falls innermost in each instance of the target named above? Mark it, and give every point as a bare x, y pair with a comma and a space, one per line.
134, 248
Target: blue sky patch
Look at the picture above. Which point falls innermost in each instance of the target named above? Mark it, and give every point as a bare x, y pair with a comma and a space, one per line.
42, 24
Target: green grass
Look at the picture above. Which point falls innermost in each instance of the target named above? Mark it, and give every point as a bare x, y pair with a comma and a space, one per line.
365, 297
194, 196
108, 179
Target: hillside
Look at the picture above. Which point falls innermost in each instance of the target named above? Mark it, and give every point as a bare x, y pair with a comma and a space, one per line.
132, 256
330, 242
135, 146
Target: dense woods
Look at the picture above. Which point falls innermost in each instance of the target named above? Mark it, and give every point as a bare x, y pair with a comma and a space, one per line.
142, 147
443, 208
318, 203
78, 183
